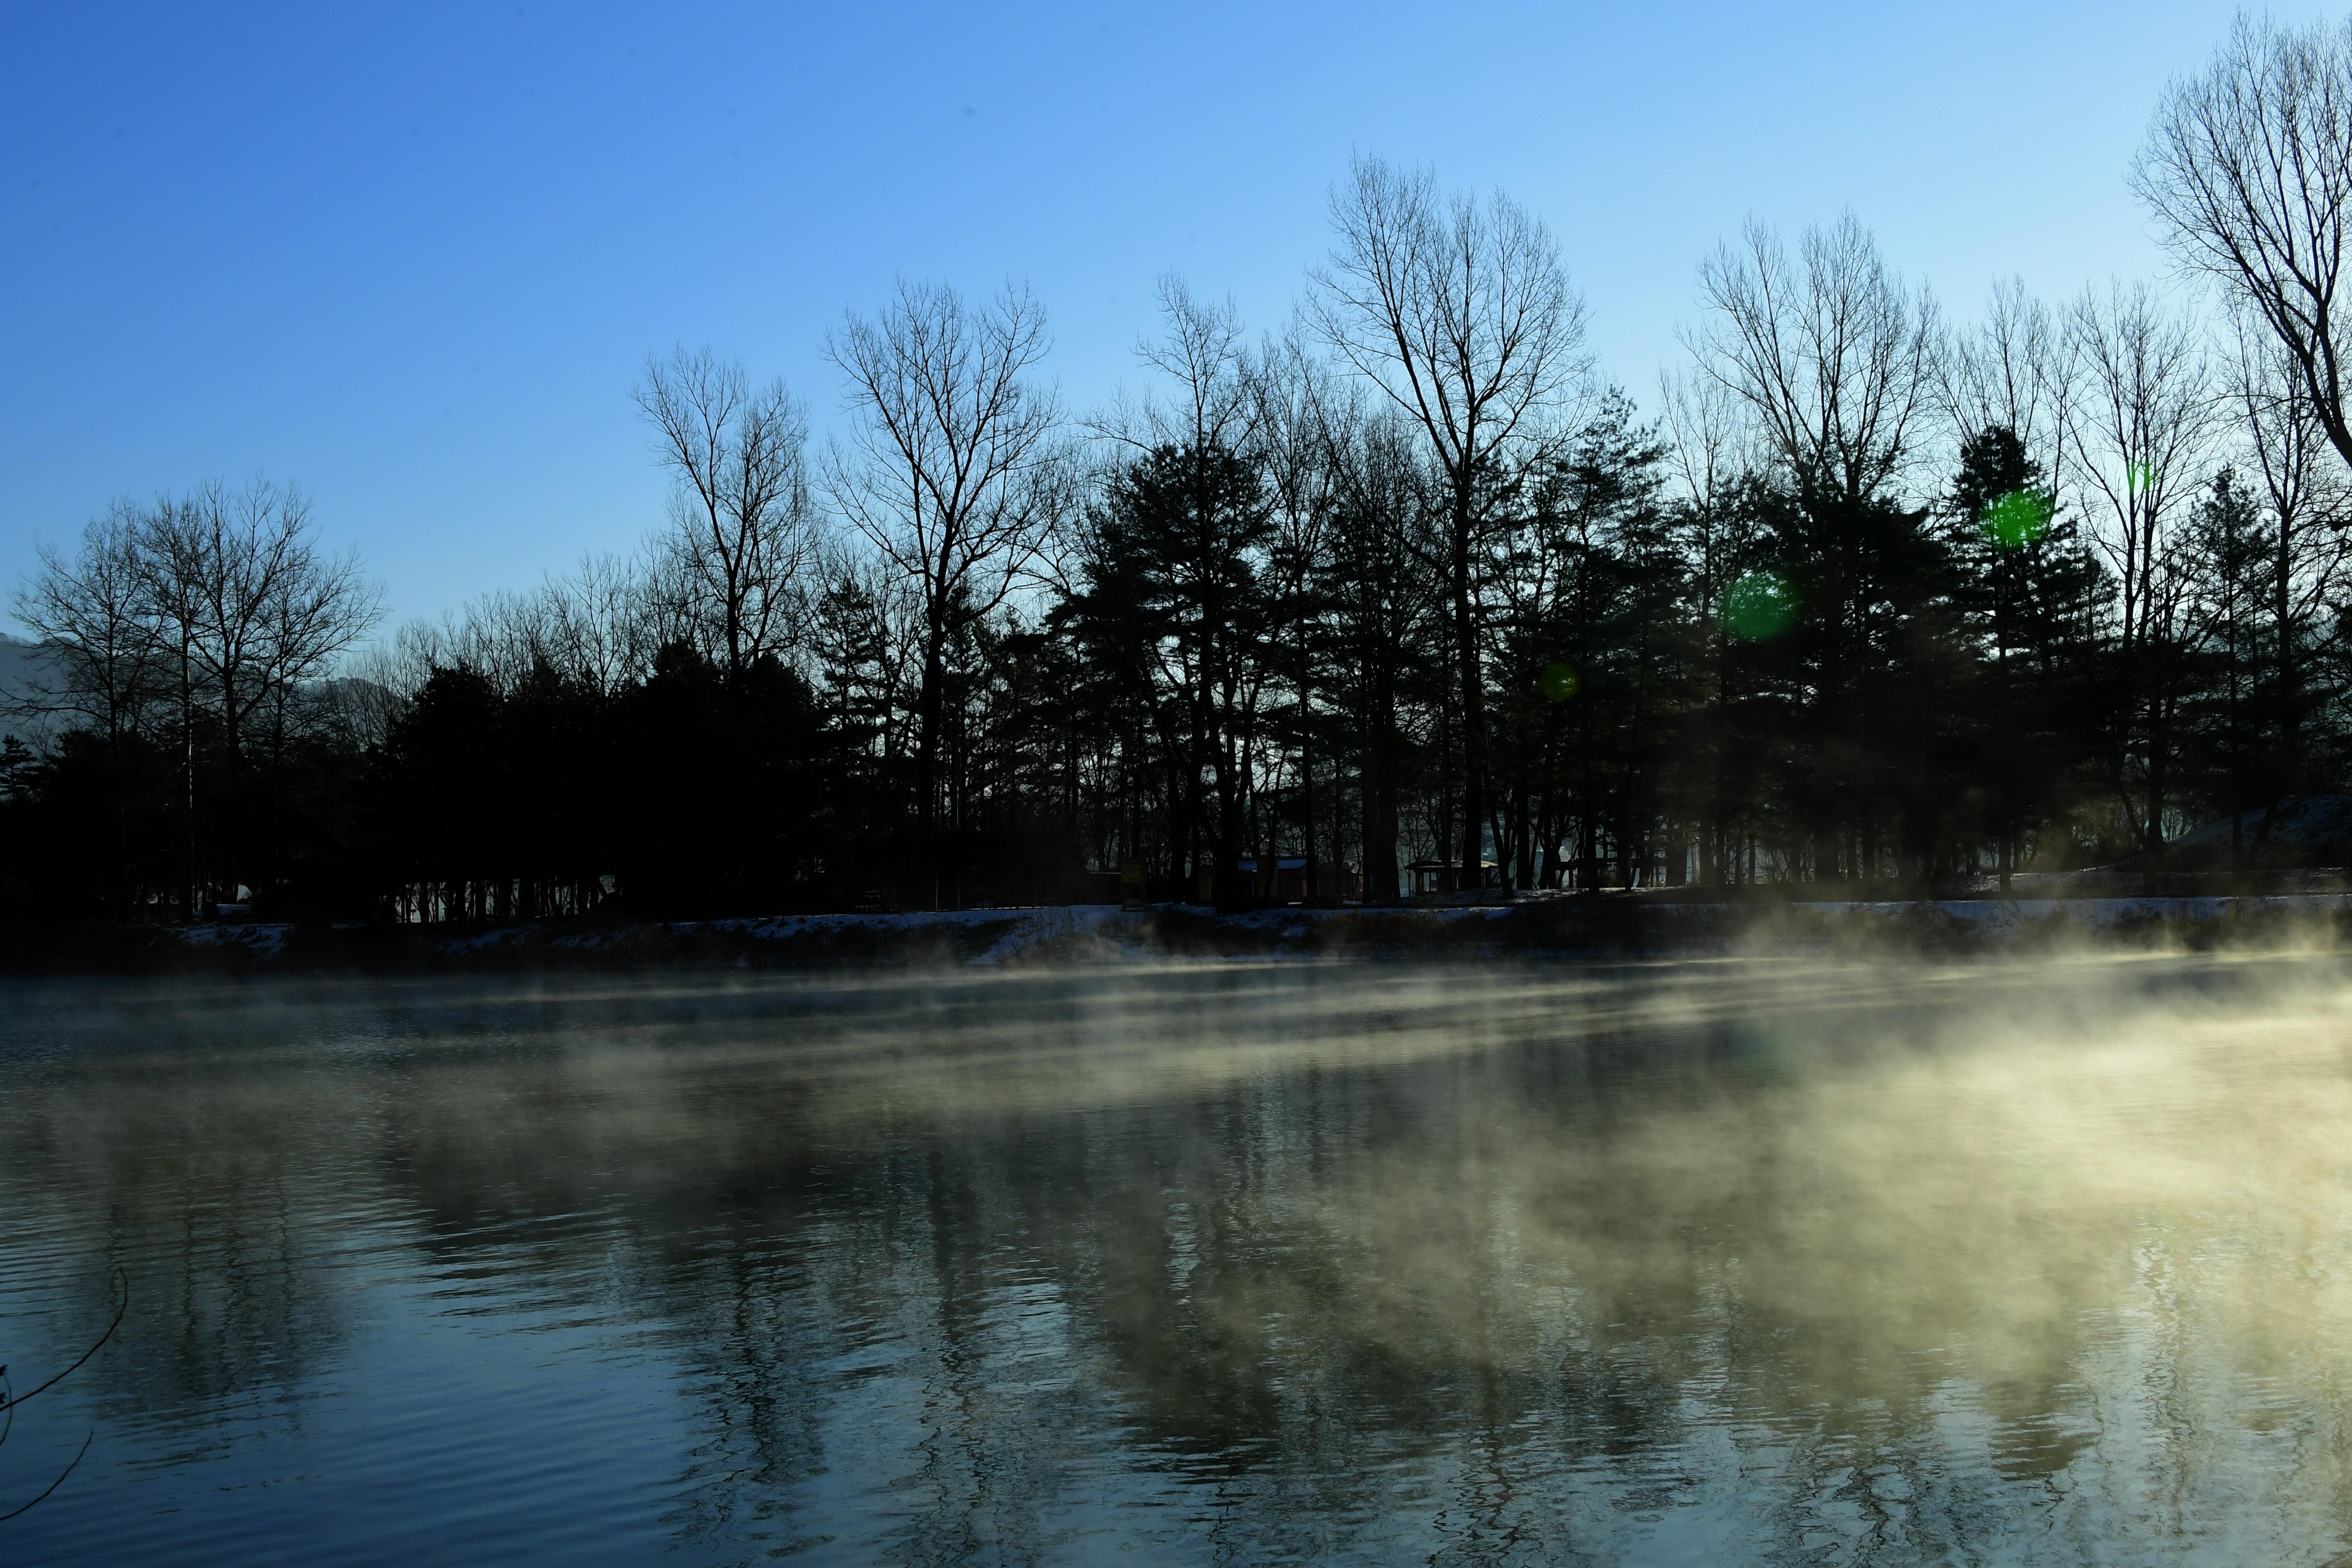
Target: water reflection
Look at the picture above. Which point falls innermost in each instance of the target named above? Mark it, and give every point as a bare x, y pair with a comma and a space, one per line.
1759, 1260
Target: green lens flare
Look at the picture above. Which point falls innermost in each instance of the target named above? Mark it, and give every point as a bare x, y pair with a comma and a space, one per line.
1557, 683
2140, 478
2021, 517
1759, 606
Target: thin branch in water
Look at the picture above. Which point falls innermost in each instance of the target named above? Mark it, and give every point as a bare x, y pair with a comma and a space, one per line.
10, 1398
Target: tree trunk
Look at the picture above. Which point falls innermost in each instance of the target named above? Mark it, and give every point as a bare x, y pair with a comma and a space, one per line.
1474, 707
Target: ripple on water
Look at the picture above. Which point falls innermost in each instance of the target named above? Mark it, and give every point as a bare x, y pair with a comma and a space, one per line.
1767, 1262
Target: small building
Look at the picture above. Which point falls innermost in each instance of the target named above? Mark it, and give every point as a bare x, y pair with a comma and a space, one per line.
1445, 877
1125, 886
1281, 882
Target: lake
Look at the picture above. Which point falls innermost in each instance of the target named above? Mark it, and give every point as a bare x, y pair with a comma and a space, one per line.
1769, 1260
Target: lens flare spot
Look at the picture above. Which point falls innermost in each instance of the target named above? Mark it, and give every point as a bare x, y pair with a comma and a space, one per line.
2021, 517
1557, 683
1759, 606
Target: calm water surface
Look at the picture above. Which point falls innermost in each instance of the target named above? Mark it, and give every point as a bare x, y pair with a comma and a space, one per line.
1764, 1261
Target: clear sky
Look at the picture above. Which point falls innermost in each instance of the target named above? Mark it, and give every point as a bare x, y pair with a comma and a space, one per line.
412, 256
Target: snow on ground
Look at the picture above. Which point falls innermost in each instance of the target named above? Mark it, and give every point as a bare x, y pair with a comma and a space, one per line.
1105, 933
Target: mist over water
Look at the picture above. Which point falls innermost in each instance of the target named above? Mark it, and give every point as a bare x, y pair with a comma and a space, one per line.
1766, 1260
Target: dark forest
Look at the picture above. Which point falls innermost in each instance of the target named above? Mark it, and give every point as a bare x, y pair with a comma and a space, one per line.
1401, 596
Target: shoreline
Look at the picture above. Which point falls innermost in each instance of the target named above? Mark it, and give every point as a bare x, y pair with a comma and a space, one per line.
1554, 929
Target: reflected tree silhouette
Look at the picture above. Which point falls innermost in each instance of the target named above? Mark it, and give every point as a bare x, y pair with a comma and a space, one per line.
1337, 1264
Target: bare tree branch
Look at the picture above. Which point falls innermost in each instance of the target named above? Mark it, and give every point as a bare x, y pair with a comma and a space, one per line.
743, 525
950, 471
1836, 357
2248, 168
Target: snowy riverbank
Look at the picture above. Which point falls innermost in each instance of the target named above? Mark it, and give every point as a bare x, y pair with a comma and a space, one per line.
1607, 927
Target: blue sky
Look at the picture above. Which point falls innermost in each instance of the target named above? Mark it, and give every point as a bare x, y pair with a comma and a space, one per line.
413, 257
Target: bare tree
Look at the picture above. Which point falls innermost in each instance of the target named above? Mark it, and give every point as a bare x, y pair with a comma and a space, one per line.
1204, 576
1383, 603
172, 571
96, 643
372, 694
597, 625
1463, 316
1201, 352
2144, 423
1291, 401
743, 525
248, 608
218, 604
950, 471
1838, 360
1710, 457
2018, 369
2309, 504
2248, 168
98, 658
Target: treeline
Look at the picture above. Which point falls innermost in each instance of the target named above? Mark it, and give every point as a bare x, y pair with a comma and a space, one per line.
1400, 595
